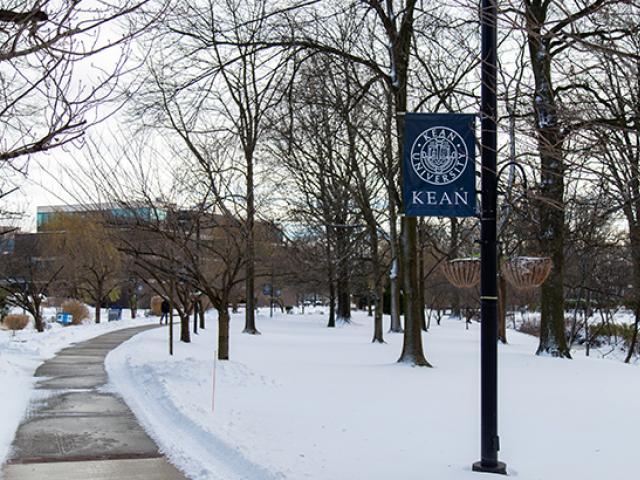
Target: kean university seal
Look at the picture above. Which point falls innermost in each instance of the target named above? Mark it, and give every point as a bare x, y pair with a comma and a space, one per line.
439, 156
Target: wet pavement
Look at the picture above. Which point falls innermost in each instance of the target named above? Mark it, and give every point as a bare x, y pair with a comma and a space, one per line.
76, 430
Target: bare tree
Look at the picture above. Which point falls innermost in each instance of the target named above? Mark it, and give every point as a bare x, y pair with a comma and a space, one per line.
213, 73
557, 35
29, 273
611, 90
251, 79
45, 48
316, 150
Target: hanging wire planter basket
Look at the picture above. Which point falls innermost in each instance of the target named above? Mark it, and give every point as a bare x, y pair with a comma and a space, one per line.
462, 272
526, 272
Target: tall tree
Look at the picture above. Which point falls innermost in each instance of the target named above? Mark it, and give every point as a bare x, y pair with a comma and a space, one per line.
611, 89
313, 146
252, 79
551, 28
398, 25
226, 84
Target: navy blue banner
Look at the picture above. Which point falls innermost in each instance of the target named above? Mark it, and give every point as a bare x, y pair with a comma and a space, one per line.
439, 165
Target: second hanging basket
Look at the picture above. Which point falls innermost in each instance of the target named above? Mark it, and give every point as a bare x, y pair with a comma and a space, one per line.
526, 272
462, 272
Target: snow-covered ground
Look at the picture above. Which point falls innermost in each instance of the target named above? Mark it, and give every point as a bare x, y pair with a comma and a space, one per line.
21, 354
302, 402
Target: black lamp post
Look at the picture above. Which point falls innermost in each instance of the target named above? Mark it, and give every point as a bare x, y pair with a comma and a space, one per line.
489, 440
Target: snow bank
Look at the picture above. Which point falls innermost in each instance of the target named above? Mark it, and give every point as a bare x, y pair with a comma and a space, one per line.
302, 401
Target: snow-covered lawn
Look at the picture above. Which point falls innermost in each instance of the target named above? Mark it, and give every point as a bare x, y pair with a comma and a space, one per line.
21, 354
302, 401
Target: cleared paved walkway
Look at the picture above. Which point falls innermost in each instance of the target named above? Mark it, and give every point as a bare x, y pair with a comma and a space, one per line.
76, 430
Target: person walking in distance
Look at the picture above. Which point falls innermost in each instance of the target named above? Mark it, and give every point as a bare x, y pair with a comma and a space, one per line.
165, 307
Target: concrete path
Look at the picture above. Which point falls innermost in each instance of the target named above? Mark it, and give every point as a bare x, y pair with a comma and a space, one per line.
77, 431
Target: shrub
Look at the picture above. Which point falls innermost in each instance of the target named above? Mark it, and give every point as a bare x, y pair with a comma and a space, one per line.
77, 309
15, 321
156, 305
602, 333
530, 327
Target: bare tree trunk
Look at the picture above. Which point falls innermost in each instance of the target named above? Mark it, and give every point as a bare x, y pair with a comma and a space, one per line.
332, 305
412, 346
453, 253
634, 242
37, 316
223, 333
99, 295
394, 290
378, 285
551, 201
344, 299
342, 280
412, 351
377, 320
39, 323
196, 307
250, 311
423, 317
588, 339
185, 332
634, 339
552, 327
201, 313
332, 285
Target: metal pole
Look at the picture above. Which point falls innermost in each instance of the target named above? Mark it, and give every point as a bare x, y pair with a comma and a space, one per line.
171, 331
196, 302
171, 319
489, 440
